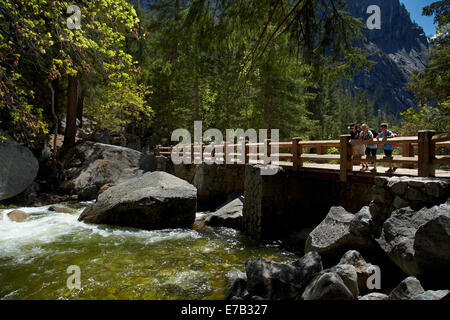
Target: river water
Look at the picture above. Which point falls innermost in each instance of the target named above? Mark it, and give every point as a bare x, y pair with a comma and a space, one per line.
119, 263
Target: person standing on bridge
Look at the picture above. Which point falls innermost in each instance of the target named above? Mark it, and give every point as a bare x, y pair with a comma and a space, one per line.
358, 149
388, 148
371, 149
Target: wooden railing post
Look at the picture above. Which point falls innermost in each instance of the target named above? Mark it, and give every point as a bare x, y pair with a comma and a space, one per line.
296, 151
346, 164
427, 150
157, 150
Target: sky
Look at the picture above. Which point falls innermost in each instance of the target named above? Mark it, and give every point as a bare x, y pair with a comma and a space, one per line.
415, 8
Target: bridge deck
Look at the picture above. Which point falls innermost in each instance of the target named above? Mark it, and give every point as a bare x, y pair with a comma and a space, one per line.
335, 169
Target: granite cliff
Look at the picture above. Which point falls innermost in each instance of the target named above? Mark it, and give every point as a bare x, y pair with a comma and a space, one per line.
399, 48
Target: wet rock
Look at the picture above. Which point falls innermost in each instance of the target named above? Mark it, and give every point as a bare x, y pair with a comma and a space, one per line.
229, 215
327, 286
238, 289
156, 200
407, 289
271, 280
18, 215
60, 209
18, 167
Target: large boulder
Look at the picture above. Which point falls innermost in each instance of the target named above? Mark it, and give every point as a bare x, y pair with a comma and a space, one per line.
18, 167
89, 166
230, 215
430, 228
327, 286
407, 289
339, 232
156, 200
432, 249
271, 280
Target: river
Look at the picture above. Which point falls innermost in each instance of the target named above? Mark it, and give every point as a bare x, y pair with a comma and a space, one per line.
119, 263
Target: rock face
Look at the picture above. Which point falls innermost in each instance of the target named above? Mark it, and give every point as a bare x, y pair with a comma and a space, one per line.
230, 215
91, 165
18, 215
430, 228
18, 168
399, 48
271, 280
407, 289
339, 232
156, 200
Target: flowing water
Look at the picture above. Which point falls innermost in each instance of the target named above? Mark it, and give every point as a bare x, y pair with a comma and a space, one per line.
119, 263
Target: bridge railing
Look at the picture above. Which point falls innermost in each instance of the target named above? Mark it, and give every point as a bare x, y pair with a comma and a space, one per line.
416, 151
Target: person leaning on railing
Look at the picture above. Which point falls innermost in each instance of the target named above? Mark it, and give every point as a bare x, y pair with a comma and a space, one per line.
371, 149
388, 148
358, 149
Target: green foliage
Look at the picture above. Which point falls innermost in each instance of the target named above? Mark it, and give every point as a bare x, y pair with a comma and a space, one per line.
432, 87
35, 38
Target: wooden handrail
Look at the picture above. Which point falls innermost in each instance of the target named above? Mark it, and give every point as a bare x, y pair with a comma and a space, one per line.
441, 137
294, 158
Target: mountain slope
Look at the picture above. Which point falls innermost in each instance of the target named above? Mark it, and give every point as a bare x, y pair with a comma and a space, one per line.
399, 48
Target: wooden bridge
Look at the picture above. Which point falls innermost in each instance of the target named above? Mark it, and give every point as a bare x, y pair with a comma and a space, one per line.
417, 157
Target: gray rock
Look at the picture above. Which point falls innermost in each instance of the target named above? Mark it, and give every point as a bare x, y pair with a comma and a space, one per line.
375, 296
400, 203
18, 215
339, 232
156, 200
229, 215
399, 233
18, 167
349, 276
60, 209
90, 165
432, 295
432, 248
271, 280
363, 269
238, 288
327, 286
407, 289
381, 195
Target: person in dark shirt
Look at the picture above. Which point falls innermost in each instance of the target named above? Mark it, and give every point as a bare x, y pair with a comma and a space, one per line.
354, 132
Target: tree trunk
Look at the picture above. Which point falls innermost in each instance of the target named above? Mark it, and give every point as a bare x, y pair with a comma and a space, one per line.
71, 115
80, 104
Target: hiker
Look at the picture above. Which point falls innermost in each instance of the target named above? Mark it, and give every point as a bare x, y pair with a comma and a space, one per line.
388, 148
358, 149
367, 136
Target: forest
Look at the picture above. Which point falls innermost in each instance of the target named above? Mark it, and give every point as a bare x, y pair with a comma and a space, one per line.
149, 67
